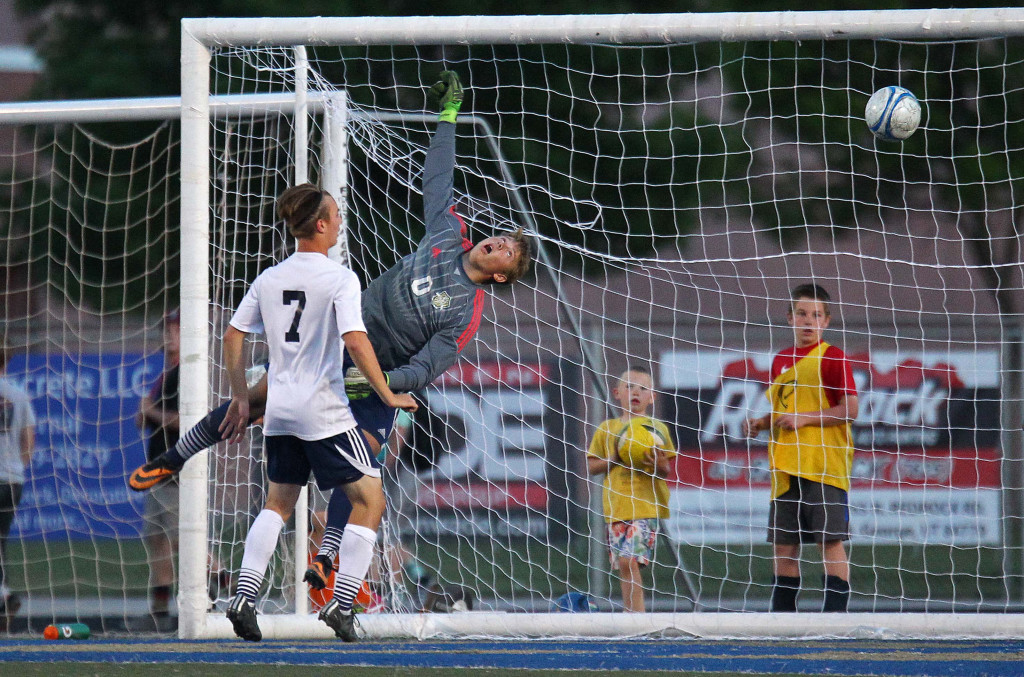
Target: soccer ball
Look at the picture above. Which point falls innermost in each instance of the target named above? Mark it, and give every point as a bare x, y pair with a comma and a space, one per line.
637, 439
892, 113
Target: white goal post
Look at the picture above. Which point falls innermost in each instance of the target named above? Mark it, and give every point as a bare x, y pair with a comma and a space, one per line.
202, 39
64, 178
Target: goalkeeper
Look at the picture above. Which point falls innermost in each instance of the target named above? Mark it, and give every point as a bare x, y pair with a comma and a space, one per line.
419, 314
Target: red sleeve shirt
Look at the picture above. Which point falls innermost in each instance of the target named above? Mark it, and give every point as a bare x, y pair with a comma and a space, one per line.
836, 373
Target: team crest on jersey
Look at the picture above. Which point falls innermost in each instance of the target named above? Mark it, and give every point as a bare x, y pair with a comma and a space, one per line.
441, 300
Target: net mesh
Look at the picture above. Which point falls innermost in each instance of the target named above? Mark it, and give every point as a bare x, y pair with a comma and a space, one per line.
677, 194
88, 221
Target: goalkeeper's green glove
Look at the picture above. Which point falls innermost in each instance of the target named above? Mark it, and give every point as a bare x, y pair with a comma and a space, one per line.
448, 90
356, 385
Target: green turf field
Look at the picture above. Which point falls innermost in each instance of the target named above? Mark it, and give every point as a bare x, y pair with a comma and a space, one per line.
972, 575
118, 568
83, 568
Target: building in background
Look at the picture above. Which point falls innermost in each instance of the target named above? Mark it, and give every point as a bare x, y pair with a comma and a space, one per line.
19, 65
19, 70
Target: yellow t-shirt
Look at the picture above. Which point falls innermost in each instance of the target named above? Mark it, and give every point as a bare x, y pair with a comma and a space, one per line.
631, 494
823, 455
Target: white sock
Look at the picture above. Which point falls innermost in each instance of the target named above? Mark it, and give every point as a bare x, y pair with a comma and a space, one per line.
353, 562
259, 548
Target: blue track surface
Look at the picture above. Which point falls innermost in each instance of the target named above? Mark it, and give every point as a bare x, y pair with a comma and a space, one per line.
847, 657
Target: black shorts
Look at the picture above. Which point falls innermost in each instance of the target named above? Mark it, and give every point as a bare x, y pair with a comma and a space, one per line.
809, 512
10, 497
371, 413
337, 460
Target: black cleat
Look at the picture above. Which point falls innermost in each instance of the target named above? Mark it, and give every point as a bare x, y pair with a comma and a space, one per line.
9, 606
343, 624
242, 614
147, 476
318, 572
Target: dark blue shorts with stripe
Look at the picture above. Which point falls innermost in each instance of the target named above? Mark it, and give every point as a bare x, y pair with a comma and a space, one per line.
336, 460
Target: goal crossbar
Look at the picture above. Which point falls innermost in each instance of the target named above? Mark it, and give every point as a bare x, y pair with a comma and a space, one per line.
609, 28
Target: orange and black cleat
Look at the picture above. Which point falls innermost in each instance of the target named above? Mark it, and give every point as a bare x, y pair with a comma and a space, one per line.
152, 473
318, 572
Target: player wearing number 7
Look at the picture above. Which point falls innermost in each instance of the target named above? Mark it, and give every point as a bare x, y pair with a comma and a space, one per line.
309, 309
419, 315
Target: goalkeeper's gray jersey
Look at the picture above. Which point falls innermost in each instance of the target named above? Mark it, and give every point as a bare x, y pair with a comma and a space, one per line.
424, 310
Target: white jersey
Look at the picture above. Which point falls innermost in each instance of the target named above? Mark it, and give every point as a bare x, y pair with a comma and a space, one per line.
16, 414
304, 305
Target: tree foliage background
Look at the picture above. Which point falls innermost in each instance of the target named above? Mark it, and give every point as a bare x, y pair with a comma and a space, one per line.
111, 48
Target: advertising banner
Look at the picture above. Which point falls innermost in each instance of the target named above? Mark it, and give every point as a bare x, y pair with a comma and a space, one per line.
86, 444
926, 463
490, 449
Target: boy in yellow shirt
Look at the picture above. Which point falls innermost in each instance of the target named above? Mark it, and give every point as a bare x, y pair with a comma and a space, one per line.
634, 451
814, 400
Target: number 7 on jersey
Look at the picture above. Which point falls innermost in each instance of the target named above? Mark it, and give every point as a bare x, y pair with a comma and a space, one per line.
288, 297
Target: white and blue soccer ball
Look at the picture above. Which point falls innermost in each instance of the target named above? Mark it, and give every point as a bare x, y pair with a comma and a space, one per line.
893, 113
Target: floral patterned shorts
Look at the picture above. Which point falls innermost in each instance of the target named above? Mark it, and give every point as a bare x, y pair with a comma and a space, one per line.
634, 539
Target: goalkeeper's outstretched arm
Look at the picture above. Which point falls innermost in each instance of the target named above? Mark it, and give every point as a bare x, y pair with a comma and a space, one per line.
440, 352
438, 189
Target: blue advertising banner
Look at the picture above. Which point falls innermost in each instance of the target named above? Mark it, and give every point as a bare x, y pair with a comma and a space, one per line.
86, 444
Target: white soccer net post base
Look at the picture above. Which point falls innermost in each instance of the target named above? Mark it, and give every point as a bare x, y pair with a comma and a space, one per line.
681, 174
655, 625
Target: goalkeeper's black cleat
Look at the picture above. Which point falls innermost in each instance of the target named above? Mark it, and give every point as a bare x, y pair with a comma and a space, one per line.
343, 624
318, 572
147, 476
242, 614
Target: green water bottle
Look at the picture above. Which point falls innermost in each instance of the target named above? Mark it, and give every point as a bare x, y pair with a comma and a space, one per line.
67, 631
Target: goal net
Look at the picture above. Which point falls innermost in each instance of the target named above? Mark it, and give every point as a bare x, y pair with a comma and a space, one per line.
679, 181
680, 175
88, 225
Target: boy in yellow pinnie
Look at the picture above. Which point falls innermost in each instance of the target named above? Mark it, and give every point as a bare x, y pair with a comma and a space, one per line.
634, 452
814, 401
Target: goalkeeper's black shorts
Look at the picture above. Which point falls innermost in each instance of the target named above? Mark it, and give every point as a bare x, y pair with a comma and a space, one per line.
371, 413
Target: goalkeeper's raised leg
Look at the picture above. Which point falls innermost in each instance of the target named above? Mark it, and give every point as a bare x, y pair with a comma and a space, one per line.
203, 435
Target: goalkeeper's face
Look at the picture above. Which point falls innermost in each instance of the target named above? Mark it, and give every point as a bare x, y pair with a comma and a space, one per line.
496, 256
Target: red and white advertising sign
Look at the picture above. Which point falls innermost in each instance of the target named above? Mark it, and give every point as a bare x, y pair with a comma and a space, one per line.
492, 448
926, 464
